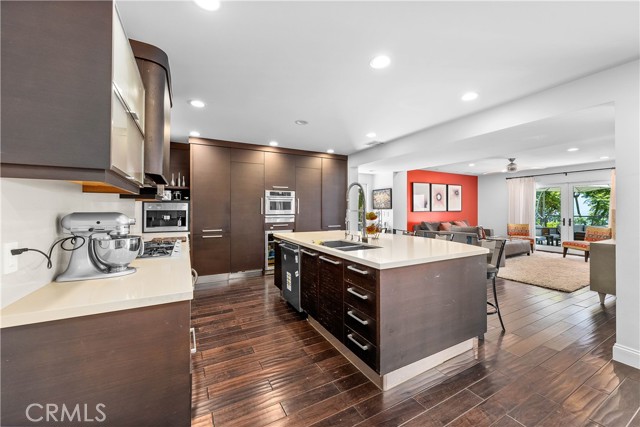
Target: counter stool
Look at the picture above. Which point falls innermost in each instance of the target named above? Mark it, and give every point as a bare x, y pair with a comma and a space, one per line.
496, 246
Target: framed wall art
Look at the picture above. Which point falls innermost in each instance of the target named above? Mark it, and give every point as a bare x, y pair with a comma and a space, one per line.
454, 198
438, 197
381, 198
421, 201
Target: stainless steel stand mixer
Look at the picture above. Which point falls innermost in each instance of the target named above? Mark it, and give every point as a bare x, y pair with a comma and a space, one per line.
103, 247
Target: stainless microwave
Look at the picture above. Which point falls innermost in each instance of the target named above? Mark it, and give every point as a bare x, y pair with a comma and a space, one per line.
279, 202
165, 216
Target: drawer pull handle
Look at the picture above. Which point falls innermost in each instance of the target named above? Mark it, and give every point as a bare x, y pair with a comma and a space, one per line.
334, 226
357, 270
214, 230
309, 253
280, 225
193, 340
363, 347
353, 292
330, 261
211, 237
362, 322
280, 186
261, 206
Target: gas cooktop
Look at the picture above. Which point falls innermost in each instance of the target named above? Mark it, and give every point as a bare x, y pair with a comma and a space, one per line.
157, 248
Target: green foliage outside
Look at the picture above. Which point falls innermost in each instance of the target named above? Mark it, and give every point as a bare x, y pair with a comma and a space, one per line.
596, 200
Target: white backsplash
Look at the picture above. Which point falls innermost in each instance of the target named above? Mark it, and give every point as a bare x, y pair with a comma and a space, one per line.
31, 212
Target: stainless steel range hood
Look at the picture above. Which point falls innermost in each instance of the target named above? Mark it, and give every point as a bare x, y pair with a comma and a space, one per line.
153, 65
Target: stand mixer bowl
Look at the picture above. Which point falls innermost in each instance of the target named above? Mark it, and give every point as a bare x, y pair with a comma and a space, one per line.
116, 253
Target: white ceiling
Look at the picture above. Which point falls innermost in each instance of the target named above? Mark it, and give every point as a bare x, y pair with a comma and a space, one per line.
259, 66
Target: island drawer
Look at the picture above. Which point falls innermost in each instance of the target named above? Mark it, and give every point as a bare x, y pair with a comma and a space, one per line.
360, 275
362, 348
360, 298
361, 323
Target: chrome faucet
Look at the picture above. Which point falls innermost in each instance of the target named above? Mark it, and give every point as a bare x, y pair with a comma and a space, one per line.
362, 213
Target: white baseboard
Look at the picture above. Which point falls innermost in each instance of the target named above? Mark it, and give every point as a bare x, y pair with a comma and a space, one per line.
627, 355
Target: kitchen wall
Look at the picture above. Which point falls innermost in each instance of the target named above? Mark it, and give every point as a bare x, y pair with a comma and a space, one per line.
30, 215
493, 198
469, 185
376, 181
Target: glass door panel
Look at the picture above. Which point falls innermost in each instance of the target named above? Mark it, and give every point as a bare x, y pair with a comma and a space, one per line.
549, 204
590, 208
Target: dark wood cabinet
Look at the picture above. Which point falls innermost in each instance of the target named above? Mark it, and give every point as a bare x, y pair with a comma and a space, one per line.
330, 298
309, 276
210, 189
227, 183
334, 189
211, 253
309, 203
62, 118
280, 171
211, 209
247, 221
135, 363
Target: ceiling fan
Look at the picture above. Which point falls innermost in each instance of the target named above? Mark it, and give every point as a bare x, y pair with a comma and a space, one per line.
512, 167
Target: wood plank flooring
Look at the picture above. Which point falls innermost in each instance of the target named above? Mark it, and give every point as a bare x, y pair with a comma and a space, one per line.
259, 363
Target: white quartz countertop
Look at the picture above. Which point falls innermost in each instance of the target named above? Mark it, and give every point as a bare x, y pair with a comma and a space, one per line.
394, 250
156, 281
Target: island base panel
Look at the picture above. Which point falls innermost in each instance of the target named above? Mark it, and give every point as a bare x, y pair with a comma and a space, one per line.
399, 376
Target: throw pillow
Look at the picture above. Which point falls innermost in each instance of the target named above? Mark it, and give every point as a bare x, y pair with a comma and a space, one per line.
475, 230
432, 226
445, 226
461, 223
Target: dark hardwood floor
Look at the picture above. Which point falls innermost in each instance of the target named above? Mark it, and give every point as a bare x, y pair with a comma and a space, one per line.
260, 364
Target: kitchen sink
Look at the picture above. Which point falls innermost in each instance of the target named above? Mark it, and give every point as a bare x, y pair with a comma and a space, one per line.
347, 246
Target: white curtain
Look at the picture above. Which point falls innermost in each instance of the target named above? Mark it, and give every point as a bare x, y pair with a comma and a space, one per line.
612, 205
522, 202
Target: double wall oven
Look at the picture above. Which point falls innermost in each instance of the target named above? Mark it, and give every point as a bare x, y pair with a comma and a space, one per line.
279, 217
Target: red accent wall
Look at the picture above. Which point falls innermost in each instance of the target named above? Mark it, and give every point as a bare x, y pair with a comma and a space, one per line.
469, 197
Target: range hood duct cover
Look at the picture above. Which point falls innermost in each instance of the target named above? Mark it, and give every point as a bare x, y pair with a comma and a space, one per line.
153, 65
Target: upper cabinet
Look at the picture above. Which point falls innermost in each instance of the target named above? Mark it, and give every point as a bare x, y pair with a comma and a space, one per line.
72, 97
153, 65
279, 171
334, 190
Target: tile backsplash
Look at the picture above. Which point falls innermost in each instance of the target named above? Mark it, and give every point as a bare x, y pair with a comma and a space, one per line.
31, 211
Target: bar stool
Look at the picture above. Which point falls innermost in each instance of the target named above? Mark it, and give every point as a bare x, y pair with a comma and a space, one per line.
496, 246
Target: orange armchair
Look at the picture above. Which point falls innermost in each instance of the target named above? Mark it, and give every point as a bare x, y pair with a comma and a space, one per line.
521, 231
592, 234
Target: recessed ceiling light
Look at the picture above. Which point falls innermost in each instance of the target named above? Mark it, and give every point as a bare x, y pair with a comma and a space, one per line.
209, 5
196, 103
194, 133
371, 135
273, 143
472, 164
604, 157
469, 96
572, 149
301, 122
380, 61
503, 171
330, 151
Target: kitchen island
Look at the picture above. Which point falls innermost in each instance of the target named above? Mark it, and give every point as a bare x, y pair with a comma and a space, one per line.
116, 348
395, 310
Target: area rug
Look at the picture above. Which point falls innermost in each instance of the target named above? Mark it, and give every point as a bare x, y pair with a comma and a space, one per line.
548, 270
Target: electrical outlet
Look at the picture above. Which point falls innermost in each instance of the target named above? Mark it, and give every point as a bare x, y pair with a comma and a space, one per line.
10, 262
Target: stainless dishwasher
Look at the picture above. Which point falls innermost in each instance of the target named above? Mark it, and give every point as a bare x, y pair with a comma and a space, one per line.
290, 257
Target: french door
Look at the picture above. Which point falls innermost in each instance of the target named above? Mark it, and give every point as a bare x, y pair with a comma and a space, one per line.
563, 212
